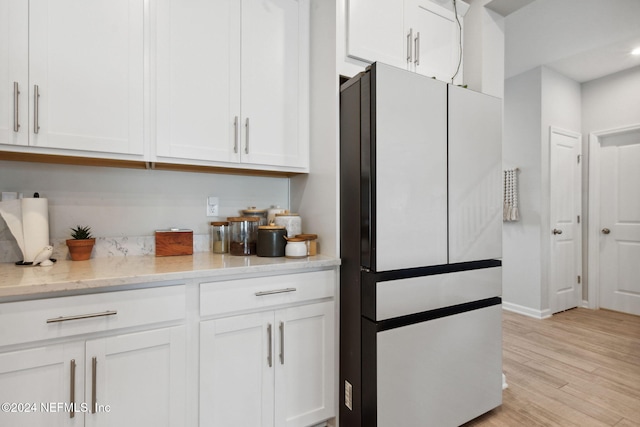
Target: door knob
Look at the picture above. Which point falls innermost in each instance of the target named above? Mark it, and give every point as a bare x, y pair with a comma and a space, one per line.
606, 231
556, 231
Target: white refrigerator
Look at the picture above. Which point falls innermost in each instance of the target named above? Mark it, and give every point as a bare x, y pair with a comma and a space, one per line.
421, 210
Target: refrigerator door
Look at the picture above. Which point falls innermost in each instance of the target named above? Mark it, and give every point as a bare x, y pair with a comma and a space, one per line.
475, 173
409, 170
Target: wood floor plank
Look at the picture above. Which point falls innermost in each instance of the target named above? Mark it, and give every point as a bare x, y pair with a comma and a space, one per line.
577, 368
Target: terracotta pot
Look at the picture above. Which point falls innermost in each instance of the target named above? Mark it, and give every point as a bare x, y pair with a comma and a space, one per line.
80, 250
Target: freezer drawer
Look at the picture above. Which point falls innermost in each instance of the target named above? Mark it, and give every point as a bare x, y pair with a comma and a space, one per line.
402, 297
442, 372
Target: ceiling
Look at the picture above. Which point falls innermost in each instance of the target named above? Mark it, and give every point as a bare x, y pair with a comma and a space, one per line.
581, 39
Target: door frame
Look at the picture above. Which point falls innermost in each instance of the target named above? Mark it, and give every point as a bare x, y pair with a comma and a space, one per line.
593, 234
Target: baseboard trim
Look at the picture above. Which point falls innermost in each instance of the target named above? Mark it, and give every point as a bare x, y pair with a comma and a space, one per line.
526, 311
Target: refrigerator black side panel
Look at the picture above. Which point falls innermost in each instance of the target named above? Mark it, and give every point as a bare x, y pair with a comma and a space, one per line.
350, 247
367, 173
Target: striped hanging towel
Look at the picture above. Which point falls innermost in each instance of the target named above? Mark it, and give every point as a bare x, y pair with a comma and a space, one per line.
510, 195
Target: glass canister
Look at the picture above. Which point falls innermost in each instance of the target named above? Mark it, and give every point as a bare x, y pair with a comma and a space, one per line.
272, 211
312, 243
258, 213
219, 237
291, 221
243, 235
271, 240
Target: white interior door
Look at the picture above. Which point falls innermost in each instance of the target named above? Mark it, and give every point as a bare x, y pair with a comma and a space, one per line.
565, 267
619, 235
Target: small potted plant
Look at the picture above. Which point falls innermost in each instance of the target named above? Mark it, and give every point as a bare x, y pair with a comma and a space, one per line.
81, 243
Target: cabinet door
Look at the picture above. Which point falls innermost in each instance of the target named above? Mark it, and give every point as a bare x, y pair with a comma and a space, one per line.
139, 379
475, 176
39, 382
14, 43
436, 40
376, 32
198, 79
237, 370
87, 61
275, 74
305, 358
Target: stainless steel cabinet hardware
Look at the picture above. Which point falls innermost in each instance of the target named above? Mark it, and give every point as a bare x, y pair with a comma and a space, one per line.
246, 135
409, 51
82, 316
417, 48
36, 99
94, 371
282, 343
270, 350
72, 388
275, 291
556, 231
235, 135
606, 231
16, 120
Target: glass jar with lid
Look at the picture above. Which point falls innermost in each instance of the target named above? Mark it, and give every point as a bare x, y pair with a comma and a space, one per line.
243, 231
219, 237
254, 212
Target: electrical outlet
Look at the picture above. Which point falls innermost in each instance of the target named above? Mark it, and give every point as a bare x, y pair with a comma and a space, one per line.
348, 398
213, 206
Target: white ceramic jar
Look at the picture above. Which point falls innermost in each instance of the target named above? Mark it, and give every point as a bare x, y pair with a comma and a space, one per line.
291, 221
296, 248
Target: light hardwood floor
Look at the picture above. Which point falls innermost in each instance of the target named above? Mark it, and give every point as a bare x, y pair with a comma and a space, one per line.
577, 368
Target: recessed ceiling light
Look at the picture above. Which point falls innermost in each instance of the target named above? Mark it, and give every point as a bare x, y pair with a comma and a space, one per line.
636, 51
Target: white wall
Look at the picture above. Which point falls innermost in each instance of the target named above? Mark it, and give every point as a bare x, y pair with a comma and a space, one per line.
521, 148
315, 196
484, 49
534, 101
128, 202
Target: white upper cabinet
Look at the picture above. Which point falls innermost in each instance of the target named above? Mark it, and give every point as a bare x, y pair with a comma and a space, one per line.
418, 35
14, 71
232, 82
83, 87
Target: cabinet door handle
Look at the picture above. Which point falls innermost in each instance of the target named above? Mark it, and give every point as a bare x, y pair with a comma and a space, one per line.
235, 135
270, 350
16, 120
409, 38
275, 291
81, 316
36, 108
282, 343
417, 48
94, 372
72, 388
246, 134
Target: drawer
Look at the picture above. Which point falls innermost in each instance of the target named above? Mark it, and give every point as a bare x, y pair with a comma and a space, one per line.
42, 319
263, 292
417, 294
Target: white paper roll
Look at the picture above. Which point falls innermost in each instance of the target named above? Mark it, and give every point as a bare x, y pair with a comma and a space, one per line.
35, 226
28, 220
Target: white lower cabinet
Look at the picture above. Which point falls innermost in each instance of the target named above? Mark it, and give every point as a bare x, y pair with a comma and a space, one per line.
269, 368
70, 364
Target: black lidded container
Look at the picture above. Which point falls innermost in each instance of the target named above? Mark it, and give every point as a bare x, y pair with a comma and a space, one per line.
271, 240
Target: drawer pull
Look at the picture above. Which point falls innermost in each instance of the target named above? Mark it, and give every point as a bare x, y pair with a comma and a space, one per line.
82, 316
275, 291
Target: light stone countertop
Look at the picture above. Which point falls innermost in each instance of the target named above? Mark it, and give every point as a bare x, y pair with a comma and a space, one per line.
99, 274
